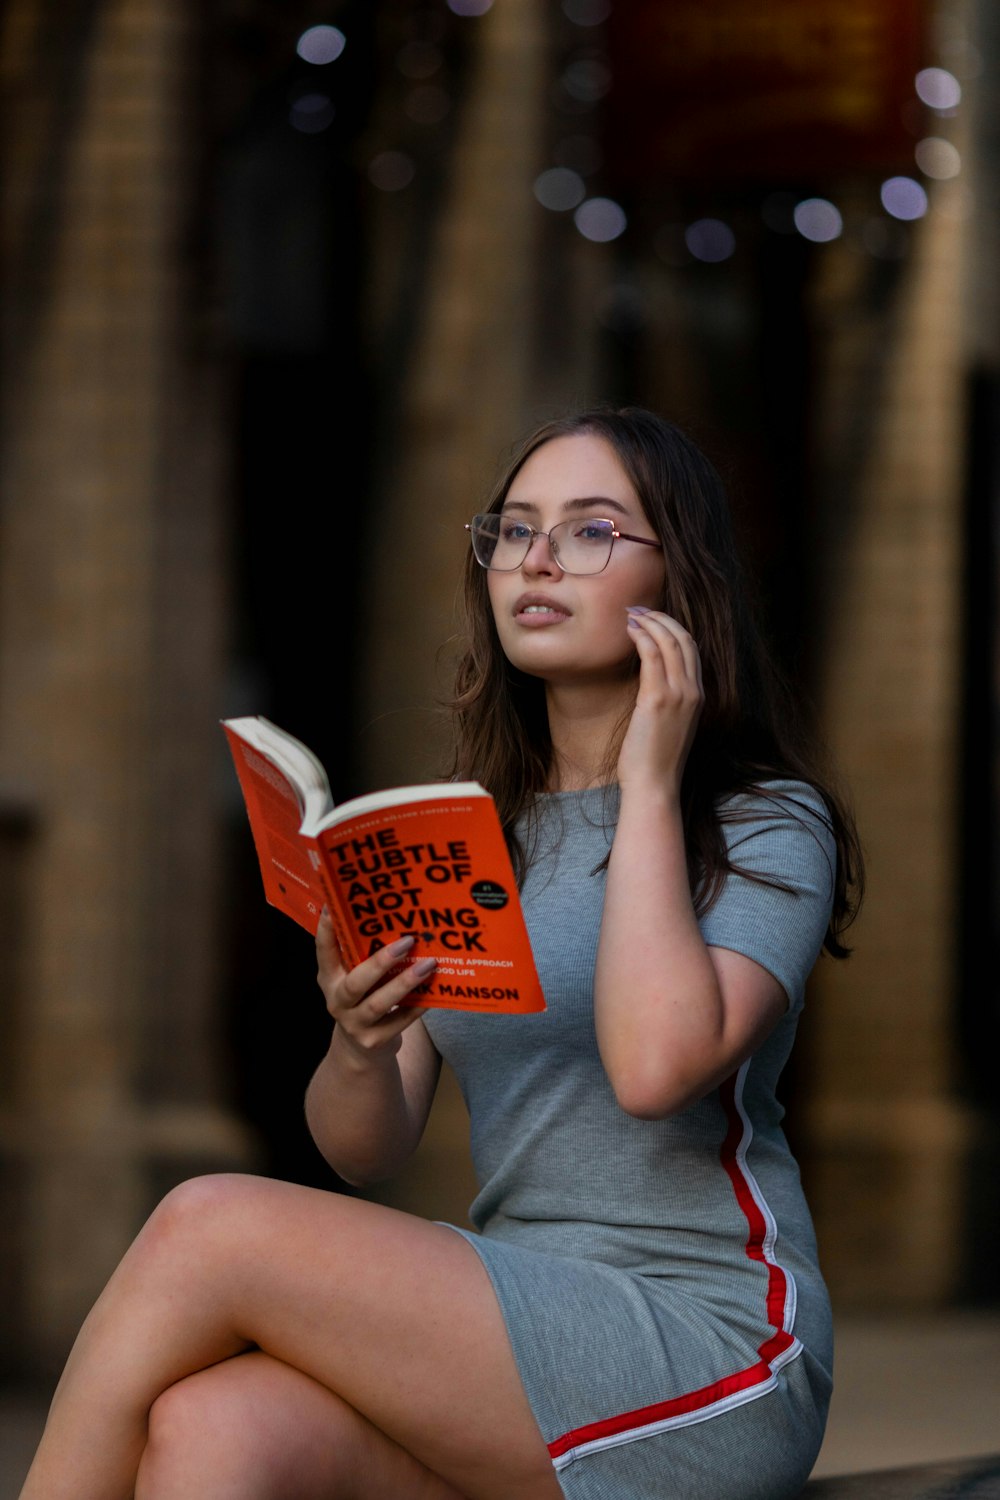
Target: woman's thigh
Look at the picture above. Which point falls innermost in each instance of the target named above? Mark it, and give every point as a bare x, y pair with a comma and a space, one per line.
252, 1428
394, 1314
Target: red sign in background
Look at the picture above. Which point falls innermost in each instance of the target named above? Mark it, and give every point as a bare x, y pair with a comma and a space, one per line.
765, 90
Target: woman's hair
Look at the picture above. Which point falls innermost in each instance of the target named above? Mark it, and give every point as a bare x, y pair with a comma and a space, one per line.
750, 729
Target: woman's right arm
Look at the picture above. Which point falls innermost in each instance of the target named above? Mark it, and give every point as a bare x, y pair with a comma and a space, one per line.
369, 1099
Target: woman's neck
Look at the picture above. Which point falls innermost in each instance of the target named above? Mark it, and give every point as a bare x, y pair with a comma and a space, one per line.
585, 723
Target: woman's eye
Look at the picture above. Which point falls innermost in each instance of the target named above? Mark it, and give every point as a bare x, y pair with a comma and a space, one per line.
515, 531
593, 531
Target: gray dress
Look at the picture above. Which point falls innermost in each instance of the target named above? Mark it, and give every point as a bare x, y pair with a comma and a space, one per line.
659, 1279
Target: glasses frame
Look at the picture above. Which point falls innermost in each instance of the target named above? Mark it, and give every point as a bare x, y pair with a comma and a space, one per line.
616, 536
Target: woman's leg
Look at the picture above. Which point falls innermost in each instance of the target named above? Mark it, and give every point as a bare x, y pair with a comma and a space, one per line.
393, 1314
251, 1428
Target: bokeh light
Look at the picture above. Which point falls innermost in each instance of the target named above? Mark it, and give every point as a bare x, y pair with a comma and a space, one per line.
469, 7
938, 158
938, 88
904, 198
559, 189
600, 220
311, 113
390, 171
819, 220
710, 240
321, 44
587, 12
587, 80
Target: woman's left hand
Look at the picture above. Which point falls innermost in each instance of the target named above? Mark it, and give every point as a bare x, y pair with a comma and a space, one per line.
667, 706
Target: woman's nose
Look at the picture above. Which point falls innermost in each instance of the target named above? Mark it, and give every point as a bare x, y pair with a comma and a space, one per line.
540, 557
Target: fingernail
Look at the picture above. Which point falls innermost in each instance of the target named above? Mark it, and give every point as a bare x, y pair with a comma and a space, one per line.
637, 609
424, 966
402, 945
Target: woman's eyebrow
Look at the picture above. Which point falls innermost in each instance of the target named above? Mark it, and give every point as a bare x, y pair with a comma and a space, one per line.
593, 504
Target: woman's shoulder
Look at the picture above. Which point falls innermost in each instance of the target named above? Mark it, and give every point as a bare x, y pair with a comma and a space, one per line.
778, 807
774, 903
776, 797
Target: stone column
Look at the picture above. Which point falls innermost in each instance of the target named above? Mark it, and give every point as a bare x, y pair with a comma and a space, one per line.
465, 403
888, 1134
467, 395
111, 605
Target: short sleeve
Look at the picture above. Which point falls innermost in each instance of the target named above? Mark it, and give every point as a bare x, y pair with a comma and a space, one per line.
778, 911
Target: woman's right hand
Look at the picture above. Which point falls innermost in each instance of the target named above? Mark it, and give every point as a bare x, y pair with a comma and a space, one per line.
363, 1001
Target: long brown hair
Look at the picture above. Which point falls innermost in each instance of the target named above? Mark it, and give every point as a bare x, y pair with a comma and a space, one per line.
750, 731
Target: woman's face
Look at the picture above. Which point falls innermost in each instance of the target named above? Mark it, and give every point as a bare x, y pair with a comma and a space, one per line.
566, 627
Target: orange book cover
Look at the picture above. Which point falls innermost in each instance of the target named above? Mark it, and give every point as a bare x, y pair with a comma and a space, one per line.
429, 860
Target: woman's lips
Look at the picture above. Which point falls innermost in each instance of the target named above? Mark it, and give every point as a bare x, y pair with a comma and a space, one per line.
535, 610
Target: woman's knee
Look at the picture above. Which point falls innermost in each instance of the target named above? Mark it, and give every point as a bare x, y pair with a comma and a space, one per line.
220, 1423
191, 1425
251, 1426
214, 1193
200, 1209
186, 1414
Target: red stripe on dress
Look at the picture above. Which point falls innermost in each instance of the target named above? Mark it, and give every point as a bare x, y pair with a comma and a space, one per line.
777, 1289
662, 1411
777, 1284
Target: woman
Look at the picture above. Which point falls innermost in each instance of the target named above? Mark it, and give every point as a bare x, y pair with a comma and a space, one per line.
642, 1315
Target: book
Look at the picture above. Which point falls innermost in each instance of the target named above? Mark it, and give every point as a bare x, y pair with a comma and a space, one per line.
429, 860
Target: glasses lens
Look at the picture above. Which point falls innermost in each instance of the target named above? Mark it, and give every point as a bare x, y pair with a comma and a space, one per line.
500, 542
483, 532
582, 546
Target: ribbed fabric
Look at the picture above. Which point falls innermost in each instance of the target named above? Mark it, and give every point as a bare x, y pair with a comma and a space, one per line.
659, 1279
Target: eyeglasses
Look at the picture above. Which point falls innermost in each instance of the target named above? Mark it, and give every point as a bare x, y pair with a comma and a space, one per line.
502, 542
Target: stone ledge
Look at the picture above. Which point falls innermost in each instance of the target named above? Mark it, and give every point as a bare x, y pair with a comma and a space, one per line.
945, 1481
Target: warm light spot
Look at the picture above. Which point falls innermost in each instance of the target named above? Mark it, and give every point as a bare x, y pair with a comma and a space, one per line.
904, 198
710, 240
390, 171
559, 189
938, 158
818, 219
321, 44
600, 219
938, 88
311, 113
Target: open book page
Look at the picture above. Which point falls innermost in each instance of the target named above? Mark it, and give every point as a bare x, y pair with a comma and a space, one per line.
291, 881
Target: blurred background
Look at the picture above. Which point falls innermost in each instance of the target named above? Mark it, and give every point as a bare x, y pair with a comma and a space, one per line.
282, 283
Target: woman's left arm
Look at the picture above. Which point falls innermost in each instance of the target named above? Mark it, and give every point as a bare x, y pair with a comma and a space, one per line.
674, 1017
